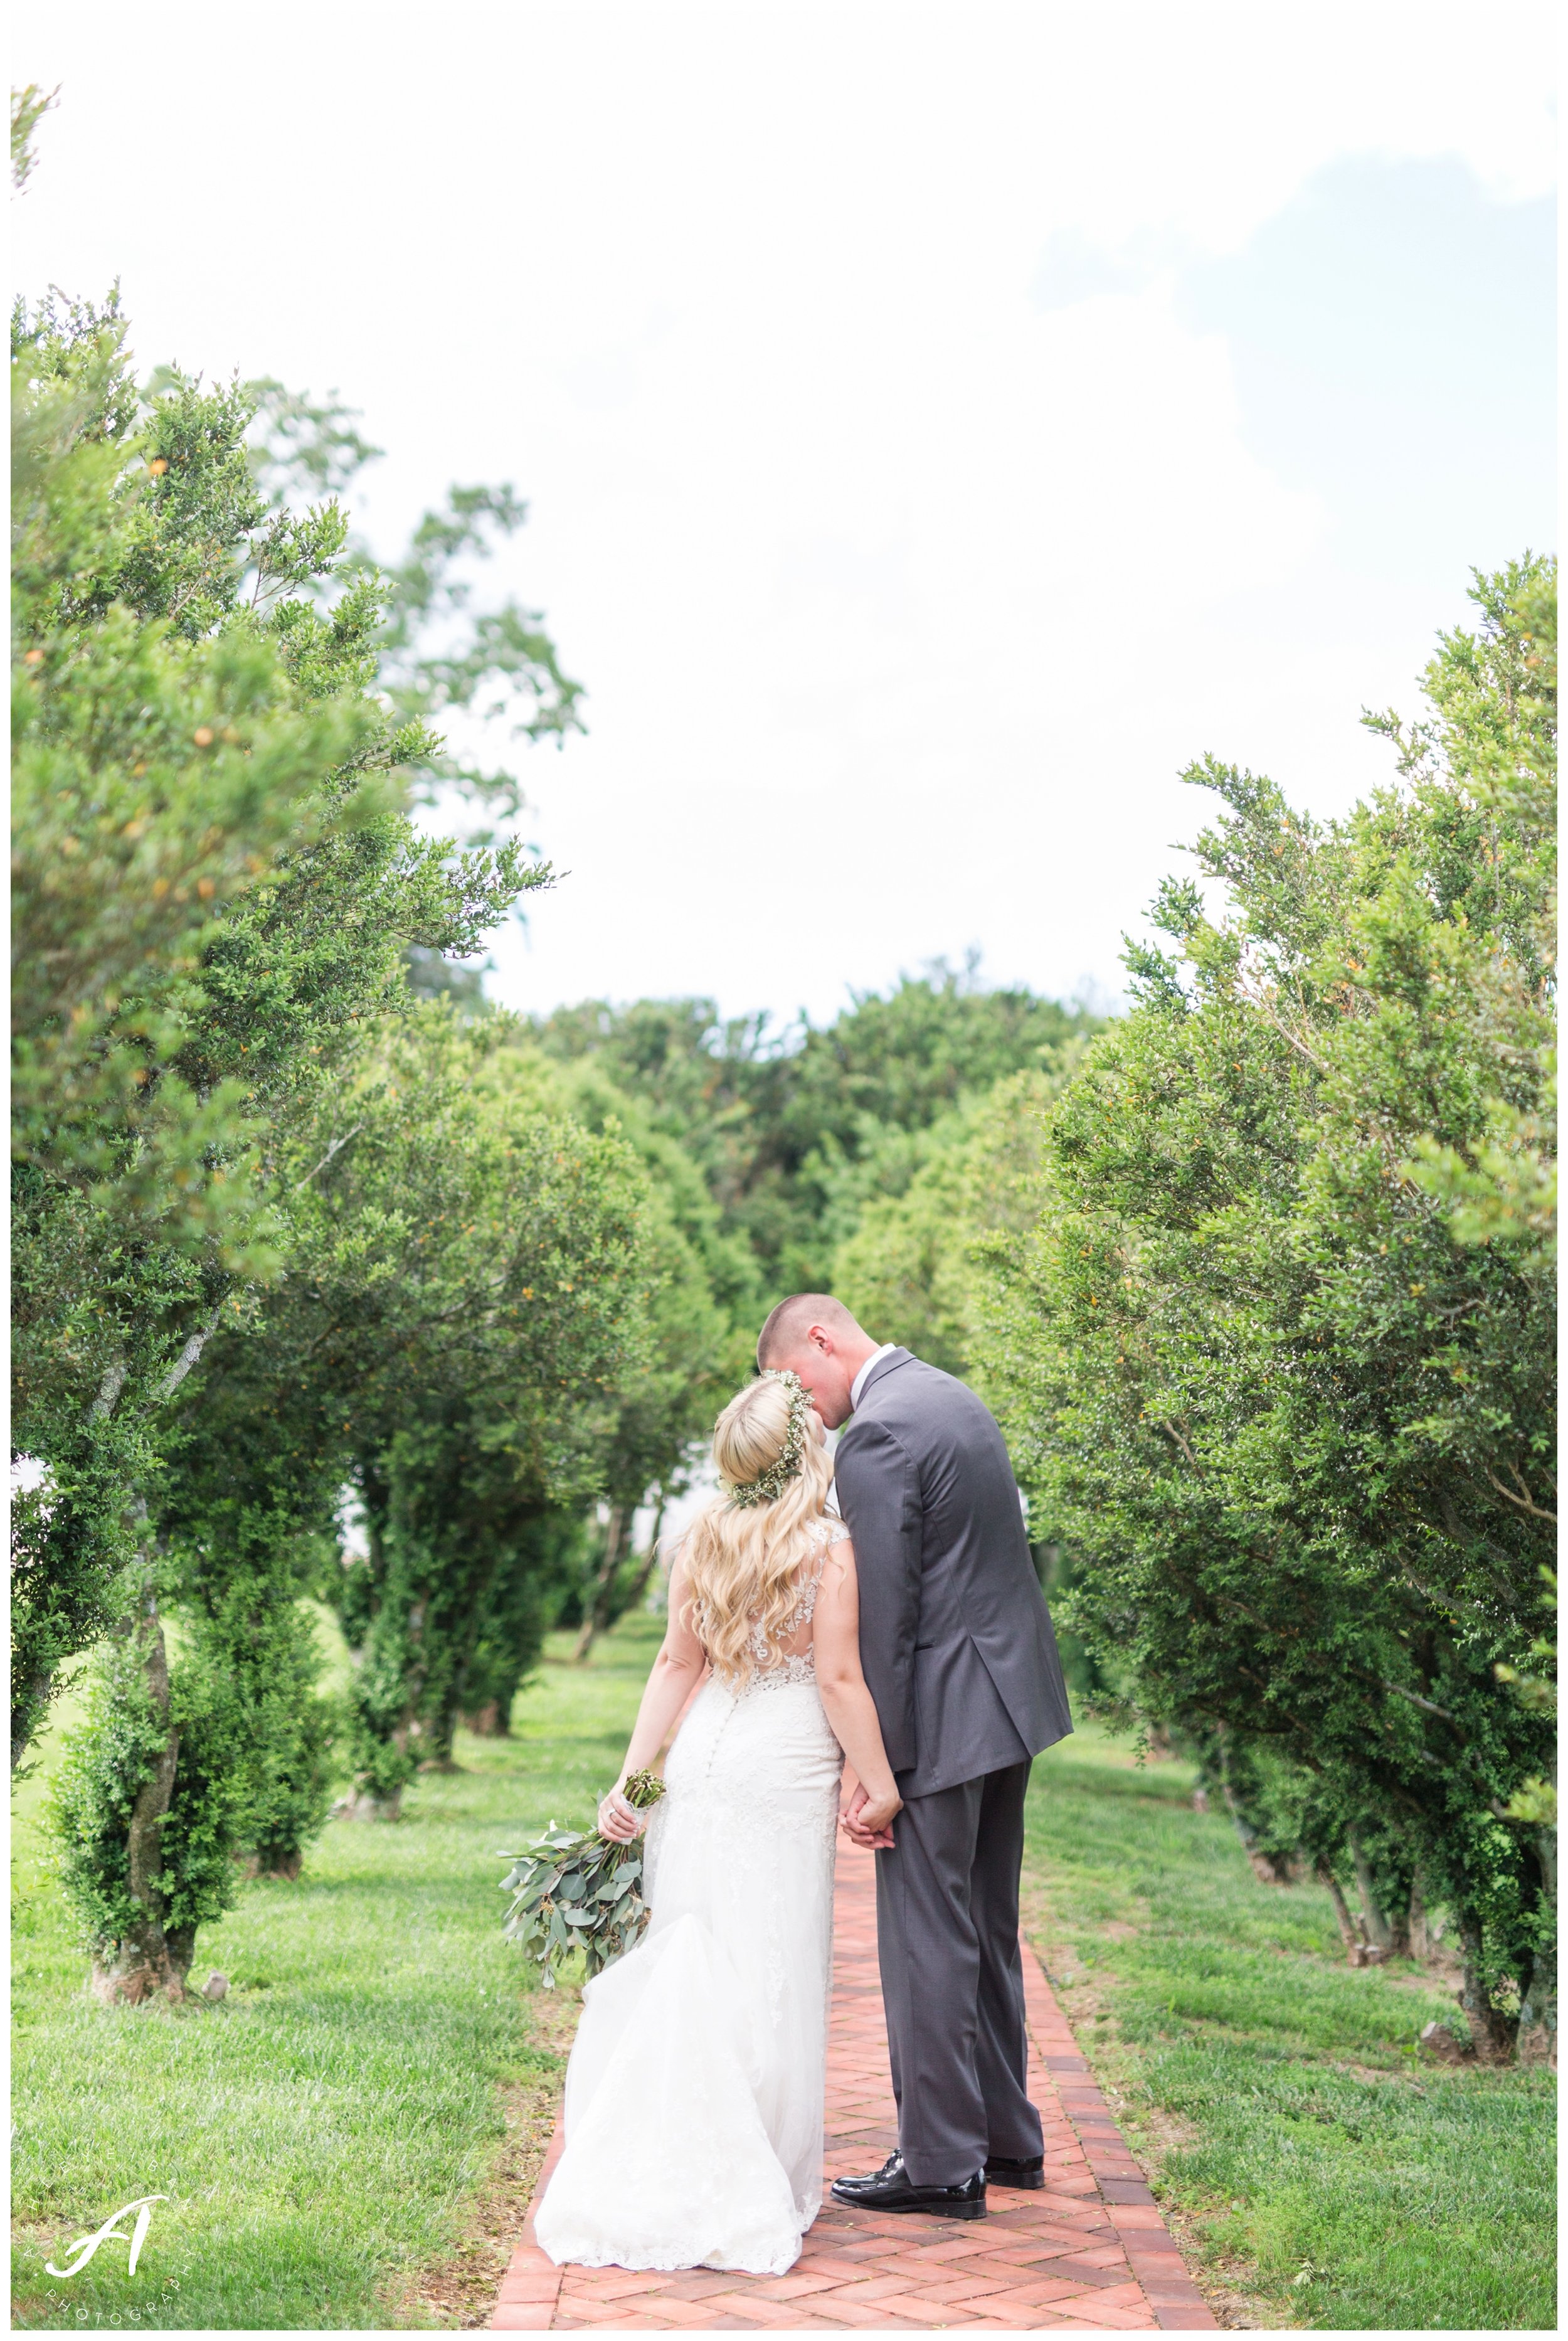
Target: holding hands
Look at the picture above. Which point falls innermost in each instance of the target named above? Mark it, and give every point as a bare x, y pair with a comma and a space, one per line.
867, 1820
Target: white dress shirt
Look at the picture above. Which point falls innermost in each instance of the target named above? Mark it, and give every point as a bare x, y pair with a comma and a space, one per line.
886, 1350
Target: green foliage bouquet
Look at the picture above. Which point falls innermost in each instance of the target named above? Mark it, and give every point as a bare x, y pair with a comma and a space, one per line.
576, 1891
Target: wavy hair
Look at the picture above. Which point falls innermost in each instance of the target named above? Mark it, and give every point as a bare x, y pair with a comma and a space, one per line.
740, 1562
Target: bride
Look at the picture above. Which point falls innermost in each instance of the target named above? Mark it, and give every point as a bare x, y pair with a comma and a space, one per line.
695, 2091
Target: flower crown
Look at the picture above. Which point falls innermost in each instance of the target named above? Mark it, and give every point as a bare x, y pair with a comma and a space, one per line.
769, 1485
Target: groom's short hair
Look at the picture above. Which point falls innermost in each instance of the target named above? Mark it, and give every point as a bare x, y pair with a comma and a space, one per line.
786, 1325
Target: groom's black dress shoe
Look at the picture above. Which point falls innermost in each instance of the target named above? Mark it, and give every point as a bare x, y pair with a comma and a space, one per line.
892, 2190
1029, 2174
849, 2190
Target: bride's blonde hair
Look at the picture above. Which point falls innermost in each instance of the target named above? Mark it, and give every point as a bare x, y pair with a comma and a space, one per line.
741, 1557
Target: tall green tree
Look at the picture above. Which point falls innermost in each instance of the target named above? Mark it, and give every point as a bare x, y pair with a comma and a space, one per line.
1289, 1406
159, 769
221, 734
221, 722
466, 1298
465, 1286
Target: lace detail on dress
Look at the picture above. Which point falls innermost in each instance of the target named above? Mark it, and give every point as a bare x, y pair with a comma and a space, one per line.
800, 1668
775, 1673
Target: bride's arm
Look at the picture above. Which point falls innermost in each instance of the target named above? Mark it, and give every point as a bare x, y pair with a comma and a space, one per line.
848, 1704
676, 1673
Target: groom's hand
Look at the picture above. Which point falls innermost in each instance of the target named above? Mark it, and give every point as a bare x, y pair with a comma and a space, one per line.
855, 1829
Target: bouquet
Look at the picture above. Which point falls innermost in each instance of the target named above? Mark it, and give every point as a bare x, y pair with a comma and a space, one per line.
575, 1890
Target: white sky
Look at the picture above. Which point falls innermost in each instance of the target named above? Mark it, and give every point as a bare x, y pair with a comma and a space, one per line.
939, 424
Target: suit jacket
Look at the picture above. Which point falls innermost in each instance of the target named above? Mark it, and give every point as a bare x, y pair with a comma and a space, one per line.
955, 1642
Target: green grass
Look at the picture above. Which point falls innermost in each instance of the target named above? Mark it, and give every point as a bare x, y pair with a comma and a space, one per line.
320, 2132
1280, 2093
324, 2132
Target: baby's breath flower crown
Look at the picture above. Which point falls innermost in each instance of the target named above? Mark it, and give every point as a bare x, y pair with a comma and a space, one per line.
769, 1485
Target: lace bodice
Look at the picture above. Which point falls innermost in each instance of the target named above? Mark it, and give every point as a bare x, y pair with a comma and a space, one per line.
774, 1668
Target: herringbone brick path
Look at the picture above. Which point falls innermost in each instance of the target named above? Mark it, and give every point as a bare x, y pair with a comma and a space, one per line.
1091, 2254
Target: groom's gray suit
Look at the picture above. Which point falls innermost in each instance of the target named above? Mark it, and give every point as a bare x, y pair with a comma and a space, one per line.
960, 1660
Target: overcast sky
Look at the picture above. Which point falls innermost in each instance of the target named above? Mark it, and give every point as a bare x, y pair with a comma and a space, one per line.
938, 426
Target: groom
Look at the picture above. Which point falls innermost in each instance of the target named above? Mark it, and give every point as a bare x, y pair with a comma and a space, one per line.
960, 1656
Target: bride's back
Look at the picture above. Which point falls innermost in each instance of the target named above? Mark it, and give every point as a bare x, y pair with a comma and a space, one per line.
772, 1639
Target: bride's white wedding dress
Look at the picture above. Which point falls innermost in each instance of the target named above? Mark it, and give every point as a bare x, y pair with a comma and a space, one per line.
694, 2093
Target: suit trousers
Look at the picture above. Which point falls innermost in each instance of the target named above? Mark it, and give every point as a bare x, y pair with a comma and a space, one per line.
953, 1978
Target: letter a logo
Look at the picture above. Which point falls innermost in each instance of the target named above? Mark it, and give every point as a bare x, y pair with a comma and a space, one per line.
88, 2244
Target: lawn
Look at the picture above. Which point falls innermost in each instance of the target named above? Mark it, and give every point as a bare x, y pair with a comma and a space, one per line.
331, 2135
347, 2140
1319, 2168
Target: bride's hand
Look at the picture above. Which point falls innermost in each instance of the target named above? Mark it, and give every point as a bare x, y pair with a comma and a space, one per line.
617, 1820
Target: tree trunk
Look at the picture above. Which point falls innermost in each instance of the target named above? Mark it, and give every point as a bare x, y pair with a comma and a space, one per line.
1491, 2033
1418, 1941
362, 1804
150, 1959
596, 1608
487, 1723
1378, 1930
1347, 1930
639, 1582
441, 1734
282, 1865
1537, 2040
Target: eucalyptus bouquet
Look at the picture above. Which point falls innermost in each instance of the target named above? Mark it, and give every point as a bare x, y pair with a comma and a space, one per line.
575, 1890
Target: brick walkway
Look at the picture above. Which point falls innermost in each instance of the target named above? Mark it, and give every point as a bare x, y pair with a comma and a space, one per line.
1091, 2254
